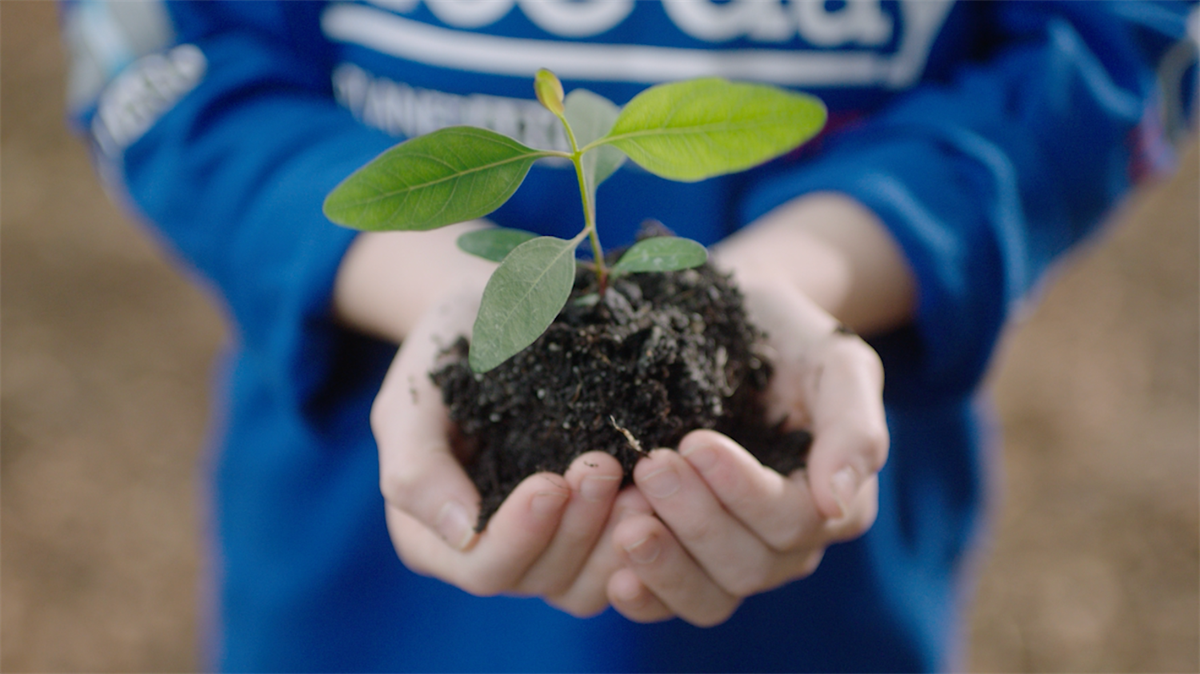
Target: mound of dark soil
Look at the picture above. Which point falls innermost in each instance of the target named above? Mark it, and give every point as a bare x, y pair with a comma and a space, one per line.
658, 356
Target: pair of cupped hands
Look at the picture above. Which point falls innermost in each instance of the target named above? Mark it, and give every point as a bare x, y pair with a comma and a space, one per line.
699, 529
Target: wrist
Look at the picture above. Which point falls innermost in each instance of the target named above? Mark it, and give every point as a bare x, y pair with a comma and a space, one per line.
833, 250
388, 280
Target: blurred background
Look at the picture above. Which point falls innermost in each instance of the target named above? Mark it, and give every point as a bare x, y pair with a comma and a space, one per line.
104, 374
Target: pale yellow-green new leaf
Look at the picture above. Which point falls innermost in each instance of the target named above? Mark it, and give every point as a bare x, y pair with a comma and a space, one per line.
697, 129
549, 91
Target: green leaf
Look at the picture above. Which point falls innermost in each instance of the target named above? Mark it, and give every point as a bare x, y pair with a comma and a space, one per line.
493, 243
591, 116
451, 175
701, 128
661, 253
521, 300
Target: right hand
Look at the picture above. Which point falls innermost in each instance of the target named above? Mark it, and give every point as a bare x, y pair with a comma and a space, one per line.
550, 538
725, 527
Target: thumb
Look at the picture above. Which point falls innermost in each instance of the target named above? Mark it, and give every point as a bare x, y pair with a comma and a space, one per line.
840, 465
850, 435
427, 483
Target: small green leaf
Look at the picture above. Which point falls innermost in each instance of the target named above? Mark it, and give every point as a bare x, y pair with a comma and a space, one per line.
448, 176
549, 90
591, 116
493, 243
521, 300
661, 253
588, 300
701, 128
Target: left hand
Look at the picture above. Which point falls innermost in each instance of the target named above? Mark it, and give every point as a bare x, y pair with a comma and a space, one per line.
550, 536
726, 527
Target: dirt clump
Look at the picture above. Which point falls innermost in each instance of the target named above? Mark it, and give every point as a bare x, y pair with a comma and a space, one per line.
658, 355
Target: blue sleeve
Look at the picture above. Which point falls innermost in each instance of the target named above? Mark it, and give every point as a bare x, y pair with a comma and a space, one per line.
226, 140
985, 178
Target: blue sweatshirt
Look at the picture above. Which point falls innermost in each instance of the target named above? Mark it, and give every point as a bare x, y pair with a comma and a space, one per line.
988, 138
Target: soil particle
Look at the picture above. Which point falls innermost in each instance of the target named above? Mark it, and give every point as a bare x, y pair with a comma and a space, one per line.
658, 356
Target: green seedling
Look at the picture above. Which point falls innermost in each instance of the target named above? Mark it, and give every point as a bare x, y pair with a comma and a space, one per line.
685, 131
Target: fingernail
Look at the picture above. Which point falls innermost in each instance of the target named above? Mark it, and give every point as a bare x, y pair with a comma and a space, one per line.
845, 488
454, 525
661, 483
701, 456
629, 592
644, 551
547, 503
597, 488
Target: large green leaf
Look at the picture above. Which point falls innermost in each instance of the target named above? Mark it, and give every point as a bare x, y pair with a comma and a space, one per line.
493, 243
451, 175
661, 253
701, 128
591, 116
521, 300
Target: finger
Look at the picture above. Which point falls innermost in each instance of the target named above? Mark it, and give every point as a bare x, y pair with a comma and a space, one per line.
520, 531
593, 479
420, 548
588, 595
667, 570
516, 535
779, 510
632, 599
850, 436
731, 554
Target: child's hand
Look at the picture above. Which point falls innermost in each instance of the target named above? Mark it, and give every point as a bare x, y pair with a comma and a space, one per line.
543, 541
725, 527
549, 538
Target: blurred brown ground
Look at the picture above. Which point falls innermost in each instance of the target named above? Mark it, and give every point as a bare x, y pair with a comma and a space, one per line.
105, 360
